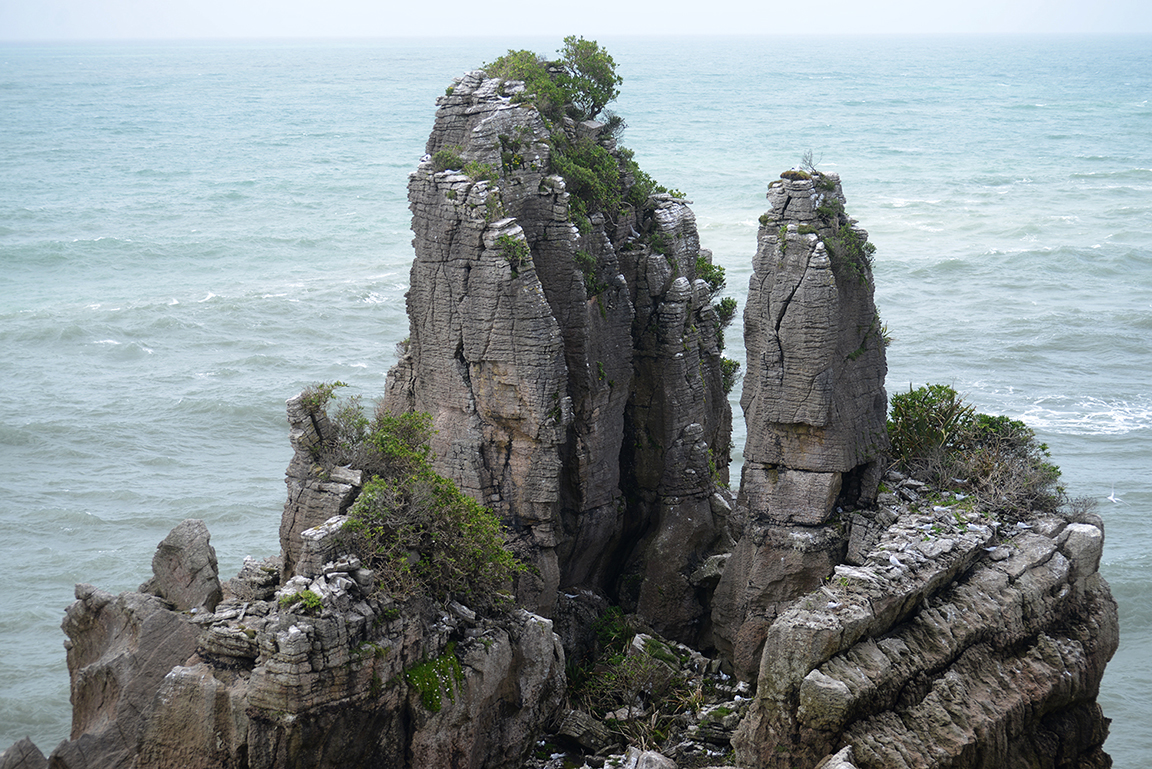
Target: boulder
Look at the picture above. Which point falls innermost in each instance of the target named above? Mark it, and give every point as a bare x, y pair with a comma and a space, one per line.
23, 755
184, 570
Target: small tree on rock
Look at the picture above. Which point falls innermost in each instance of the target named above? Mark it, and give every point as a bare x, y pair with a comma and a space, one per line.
592, 79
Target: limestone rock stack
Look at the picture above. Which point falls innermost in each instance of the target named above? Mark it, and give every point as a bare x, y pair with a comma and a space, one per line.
963, 647
571, 363
570, 357
814, 403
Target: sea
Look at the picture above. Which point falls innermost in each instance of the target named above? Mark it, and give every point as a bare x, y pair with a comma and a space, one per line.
192, 232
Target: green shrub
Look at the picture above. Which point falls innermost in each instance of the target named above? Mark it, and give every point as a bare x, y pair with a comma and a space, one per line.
591, 174
422, 535
317, 396
308, 600
412, 526
579, 84
712, 274
925, 424
447, 158
583, 79
540, 86
725, 311
477, 171
729, 373
590, 75
515, 251
938, 437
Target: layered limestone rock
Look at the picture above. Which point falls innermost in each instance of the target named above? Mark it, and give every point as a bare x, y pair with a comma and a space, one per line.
314, 496
316, 670
957, 642
571, 363
814, 403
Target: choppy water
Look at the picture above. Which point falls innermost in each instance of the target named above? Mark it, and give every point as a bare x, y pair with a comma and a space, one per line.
191, 233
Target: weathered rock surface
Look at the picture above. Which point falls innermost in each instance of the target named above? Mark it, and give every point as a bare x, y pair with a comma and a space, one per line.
313, 496
573, 373
184, 570
953, 645
326, 674
23, 755
814, 404
120, 648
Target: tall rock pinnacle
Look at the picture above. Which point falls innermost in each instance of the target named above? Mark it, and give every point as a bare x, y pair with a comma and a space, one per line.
813, 400
567, 350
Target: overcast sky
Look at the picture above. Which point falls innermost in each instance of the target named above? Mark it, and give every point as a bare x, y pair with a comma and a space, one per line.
190, 19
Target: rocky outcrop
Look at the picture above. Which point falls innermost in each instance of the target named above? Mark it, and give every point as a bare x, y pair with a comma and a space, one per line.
314, 495
958, 642
316, 670
120, 648
814, 404
23, 755
184, 571
570, 361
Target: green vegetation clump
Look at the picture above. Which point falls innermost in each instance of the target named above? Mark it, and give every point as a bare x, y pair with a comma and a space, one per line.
308, 600
436, 678
415, 528
725, 310
447, 158
712, 274
591, 175
580, 83
515, 251
796, 175
938, 437
479, 171
577, 85
613, 679
317, 396
729, 374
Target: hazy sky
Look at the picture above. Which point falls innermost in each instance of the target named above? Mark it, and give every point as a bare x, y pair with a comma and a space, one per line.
182, 19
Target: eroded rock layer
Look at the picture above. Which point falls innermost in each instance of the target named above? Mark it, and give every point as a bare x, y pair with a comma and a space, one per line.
956, 643
573, 372
301, 666
814, 403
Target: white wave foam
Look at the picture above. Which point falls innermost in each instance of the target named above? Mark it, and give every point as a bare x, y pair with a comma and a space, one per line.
1091, 416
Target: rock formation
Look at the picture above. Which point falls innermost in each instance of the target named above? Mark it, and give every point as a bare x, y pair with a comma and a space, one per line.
310, 669
958, 642
568, 350
571, 362
814, 404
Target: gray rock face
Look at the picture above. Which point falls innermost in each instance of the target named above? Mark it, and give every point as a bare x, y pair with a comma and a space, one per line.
184, 570
329, 674
814, 403
120, 648
23, 755
572, 372
814, 390
313, 497
943, 650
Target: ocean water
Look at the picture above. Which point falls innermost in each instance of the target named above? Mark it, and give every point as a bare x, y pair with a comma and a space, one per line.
191, 233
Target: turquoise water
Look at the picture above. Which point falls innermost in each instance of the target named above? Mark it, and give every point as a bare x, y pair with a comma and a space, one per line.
191, 233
